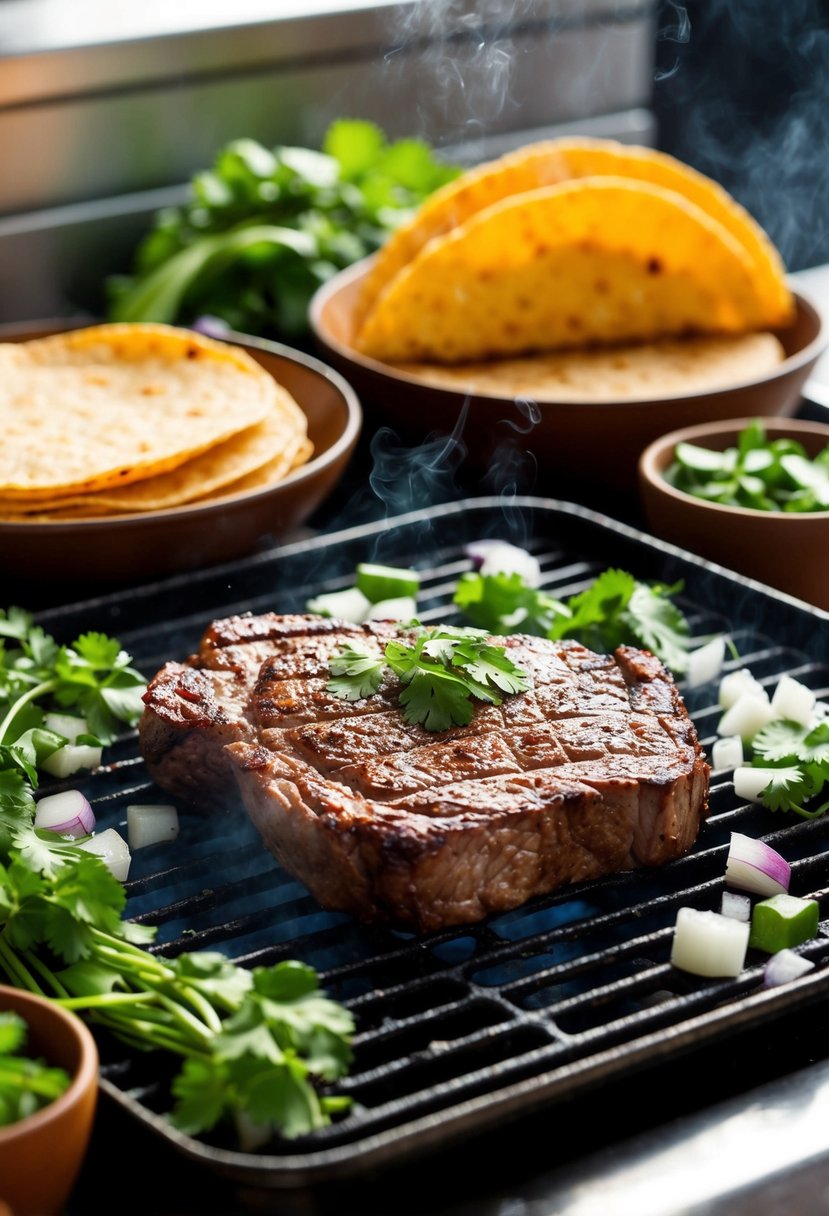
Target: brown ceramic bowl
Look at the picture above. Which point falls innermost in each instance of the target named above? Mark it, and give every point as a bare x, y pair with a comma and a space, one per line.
604, 439
41, 1156
125, 547
785, 551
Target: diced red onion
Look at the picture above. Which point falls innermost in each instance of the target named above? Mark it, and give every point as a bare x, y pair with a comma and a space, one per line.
784, 966
478, 550
753, 865
67, 814
501, 557
211, 327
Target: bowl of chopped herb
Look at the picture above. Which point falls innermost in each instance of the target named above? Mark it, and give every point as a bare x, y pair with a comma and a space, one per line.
750, 494
49, 1069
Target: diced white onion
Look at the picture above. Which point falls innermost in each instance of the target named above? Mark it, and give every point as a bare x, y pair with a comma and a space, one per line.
113, 850
67, 814
347, 605
734, 684
755, 866
784, 966
749, 713
148, 825
708, 943
750, 781
705, 662
401, 608
67, 725
503, 558
793, 700
738, 906
72, 758
727, 752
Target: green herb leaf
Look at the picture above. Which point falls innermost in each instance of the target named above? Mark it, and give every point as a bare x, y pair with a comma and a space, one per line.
442, 670
264, 227
355, 673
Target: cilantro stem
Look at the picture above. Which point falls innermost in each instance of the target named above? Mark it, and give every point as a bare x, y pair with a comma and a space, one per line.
45, 973
39, 690
19, 975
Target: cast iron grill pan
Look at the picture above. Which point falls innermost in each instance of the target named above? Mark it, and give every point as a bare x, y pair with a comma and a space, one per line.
463, 1029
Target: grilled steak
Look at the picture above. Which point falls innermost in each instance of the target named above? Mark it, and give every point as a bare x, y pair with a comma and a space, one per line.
596, 769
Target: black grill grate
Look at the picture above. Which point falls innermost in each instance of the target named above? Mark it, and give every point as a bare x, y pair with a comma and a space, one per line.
463, 1028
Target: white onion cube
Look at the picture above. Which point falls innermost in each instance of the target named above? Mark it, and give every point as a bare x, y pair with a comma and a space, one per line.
68, 725
750, 781
749, 714
708, 943
113, 850
785, 965
734, 684
401, 608
793, 700
705, 663
148, 825
727, 752
736, 905
72, 758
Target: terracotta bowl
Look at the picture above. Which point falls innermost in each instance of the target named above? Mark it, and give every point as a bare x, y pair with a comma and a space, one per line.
785, 551
41, 1156
156, 543
601, 439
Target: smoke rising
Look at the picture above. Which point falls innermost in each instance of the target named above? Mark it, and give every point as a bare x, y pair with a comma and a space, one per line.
741, 92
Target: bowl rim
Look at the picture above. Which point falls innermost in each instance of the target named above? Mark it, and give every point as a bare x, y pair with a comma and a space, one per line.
84, 1077
344, 279
650, 474
127, 519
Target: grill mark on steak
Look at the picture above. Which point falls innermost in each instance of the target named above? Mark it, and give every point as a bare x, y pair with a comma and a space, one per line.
596, 769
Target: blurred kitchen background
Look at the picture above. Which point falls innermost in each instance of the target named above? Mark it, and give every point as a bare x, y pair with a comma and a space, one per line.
108, 108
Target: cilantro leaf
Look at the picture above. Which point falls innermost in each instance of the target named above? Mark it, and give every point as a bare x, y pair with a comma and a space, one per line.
355, 673
504, 603
441, 670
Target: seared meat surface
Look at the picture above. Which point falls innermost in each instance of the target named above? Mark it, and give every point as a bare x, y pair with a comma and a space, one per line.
597, 768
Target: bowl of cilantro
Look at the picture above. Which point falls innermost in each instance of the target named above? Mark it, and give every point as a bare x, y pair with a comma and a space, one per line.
49, 1069
750, 494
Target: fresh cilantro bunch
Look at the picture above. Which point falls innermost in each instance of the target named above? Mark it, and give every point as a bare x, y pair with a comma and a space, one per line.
800, 756
616, 609
264, 228
256, 1045
443, 671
